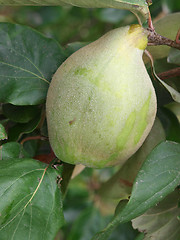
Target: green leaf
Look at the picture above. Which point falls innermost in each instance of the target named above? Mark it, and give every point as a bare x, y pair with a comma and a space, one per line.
3, 134
174, 93
158, 177
124, 232
174, 56
171, 124
12, 150
19, 129
88, 223
172, 6
138, 6
31, 202
21, 114
91, 220
27, 63
140, 236
66, 176
31, 147
161, 221
175, 108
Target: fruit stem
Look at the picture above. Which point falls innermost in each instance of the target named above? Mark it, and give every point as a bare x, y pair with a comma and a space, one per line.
156, 39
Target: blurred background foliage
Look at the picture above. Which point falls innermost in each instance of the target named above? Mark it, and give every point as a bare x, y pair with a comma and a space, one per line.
70, 24
85, 212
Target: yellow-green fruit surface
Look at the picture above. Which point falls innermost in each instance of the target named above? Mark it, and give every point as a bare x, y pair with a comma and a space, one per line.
101, 104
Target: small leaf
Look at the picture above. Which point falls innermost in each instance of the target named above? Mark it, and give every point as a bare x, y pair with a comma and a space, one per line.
138, 6
66, 175
174, 94
170, 123
19, 129
12, 150
175, 108
160, 222
31, 203
174, 56
21, 114
88, 223
158, 177
27, 62
3, 134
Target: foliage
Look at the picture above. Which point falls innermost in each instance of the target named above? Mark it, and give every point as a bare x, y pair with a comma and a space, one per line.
44, 198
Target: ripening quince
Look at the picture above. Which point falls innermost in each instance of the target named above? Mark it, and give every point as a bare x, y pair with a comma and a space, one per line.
101, 104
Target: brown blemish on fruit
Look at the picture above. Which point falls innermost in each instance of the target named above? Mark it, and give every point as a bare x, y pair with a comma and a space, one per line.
72, 121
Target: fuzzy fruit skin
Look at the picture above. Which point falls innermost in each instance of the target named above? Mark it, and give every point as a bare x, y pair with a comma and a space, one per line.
101, 104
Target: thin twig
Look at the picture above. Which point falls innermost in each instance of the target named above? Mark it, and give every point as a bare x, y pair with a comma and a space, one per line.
170, 73
33, 138
156, 39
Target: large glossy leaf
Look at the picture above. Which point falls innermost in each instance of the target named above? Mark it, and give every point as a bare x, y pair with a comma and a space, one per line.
139, 6
158, 177
30, 201
27, 63
161, 222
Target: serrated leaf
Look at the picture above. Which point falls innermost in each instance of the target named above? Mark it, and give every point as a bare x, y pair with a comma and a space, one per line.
160, 222
139, 6
21, 114
12, 150
30, 201
158, 177
3, 134
27, 63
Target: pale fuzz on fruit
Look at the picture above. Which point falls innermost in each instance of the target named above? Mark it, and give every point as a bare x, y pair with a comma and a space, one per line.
101, 103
